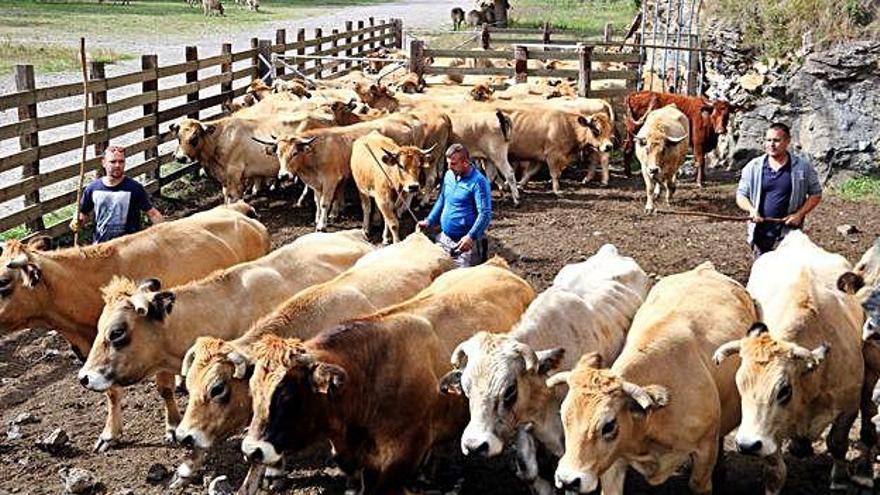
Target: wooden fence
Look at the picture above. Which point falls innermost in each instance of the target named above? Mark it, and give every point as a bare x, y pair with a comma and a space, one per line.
233, 67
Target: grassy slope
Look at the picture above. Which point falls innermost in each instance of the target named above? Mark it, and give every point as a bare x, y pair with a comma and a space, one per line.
588, 17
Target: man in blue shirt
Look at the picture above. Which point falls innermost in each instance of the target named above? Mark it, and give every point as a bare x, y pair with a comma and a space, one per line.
463, 209
779, 185
116, 200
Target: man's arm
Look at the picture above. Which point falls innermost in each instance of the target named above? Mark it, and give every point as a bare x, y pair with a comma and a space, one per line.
743, 192
433, 218
483, 200
85, 207
155, 216
797, 218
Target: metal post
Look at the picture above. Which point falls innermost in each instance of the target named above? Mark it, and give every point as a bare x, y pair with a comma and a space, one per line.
25, 81
666, 42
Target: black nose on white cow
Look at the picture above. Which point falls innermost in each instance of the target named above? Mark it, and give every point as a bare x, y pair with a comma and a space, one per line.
573, 485
482, 449
255, 455
748, 447
188, 442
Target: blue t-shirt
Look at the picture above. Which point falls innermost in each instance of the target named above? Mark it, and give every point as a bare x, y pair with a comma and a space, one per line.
464, 206
117, 209
775, 197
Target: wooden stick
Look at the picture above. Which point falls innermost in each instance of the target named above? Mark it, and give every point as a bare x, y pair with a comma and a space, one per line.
82, 163
716, 216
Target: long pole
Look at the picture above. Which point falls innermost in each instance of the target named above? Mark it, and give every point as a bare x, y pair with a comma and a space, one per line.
82, 162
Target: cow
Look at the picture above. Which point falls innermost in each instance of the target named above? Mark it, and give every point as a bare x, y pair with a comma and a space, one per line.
61, 289
475, 18
481, 92
865, 275
381, 278
486, 135
801, 365
225, 149
212, 7
295, 88
370, 385
587, 309
412, 83
661, 146
707, 120
377, 96
231, 106
139, 335
322, 157
457, 18
388, 174
663, 402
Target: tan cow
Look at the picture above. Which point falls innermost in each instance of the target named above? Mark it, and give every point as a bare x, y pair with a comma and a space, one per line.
389, 174
486, 135
61, 289
865, 275
661, 146
587, 309
663, 402
386, 276
139, 335
802, 367
226, 151
370, 386
377, 96
322, 157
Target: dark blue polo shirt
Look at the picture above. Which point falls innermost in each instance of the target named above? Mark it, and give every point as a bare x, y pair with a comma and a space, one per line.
775, 197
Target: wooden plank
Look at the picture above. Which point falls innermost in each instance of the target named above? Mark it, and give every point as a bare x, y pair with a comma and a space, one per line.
471, 71
629, 75
150, 63
99, 98
180, 68
609, 93
17, 159
561, 73
505, 54
191, 54
18, 128
212, 61
173, 176
132, 101
128, 79
178, 91
36, 211
70, 117
65, 91
243, 55
17, 99
242, 73
24, 80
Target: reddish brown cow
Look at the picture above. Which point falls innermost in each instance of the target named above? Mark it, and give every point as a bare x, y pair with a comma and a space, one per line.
708, 119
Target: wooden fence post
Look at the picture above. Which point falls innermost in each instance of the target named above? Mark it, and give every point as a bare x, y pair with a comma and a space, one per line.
25, 81
398, 33
693, 82
417, 56
585, 71
96, 73
372, 23
484, 36
521, 63
334, 44
255, 59
300, 40
226, 68
280, 40
192, 55
349, 27
361, 38
607, 32
319, 64
151, 109
264, 52
545, 35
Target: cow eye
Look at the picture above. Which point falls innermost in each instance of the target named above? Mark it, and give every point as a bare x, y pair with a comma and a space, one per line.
194, 141
218, 391
783, 396
117, 333
509, 397
609, 429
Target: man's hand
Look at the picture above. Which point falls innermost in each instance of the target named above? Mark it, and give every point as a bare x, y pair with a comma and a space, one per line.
465, 244
422, 225
794, 220
754, 216
74, 225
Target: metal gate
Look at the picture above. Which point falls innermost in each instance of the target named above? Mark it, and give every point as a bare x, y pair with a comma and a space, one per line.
670, 46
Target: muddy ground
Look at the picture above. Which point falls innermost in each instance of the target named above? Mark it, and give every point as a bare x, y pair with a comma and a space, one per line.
38, 372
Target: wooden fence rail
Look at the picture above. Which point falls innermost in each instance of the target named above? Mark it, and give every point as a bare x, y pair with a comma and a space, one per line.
34, 148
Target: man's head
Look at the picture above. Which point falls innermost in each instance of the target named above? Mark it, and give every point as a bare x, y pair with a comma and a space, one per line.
777, 139
114, 162
458, 159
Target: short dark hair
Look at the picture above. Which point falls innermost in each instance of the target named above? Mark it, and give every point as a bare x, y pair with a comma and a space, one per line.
779, 126
457, 148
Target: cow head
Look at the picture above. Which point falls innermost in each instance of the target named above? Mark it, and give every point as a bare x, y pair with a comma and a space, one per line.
130, 342
291, 87
219, 404
504, 381
865, 275
655, 147
344, 112
481, 92
408, 163
603, 416
292, 152
192, 137
377, 96
718, 113
23, 292
602, 128
258, 89
774, 383
291, 388
871, 305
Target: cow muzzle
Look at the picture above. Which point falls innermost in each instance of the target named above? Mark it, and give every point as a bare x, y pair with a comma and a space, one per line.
574, 481
191, 438
754, 445
480, 444
182, 158
96, 381
259, 451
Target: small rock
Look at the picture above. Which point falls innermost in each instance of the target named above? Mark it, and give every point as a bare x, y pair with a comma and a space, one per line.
25, 418
751, 81
78, 480
220, 486
54, 442
124, 491
157, 473
13, 433
847, 229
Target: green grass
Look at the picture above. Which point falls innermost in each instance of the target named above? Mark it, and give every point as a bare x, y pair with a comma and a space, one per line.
860, 189
14, 233
576, 15
50, 57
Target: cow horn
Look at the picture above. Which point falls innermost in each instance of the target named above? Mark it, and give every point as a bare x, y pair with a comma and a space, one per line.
264, 141
150, 285
725, 350
558, 379
814, 357
188, 360
463, 352
19, 261
429, 150
140, 304
308, 140
638, 394
676, 140
240, 363
528, 355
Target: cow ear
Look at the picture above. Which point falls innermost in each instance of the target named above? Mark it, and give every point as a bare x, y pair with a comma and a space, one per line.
560, 378
850, 282
209, 129
450, 384
757, 328
149, 285
32, 274
160, 305
550, 360
389, 158
40, 243
174, 128
327, 378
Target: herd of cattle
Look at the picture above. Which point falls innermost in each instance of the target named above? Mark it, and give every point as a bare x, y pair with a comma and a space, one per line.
387, 353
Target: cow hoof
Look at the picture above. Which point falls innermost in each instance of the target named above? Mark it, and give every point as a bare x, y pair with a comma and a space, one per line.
178, 481
170, 436
104, 444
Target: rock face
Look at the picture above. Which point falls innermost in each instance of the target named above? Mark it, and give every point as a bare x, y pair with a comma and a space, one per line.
830, 98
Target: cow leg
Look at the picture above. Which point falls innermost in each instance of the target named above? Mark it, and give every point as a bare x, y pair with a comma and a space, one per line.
113, 426
338, 200
612, 480
669, 185
165, 385
703, 463
302, 197
837, 442
699, 163
605, 163
367, 209
506, 171
775, 473
531, 169
649, 193
864, 475
392, 227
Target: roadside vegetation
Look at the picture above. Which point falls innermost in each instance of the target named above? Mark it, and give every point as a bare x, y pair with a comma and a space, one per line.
576, 15
47, 57
773, 28
866, 188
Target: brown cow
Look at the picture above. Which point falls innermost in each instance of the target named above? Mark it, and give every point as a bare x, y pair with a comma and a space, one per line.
708, 119
62, 289
661, 146
377, 96
371, 386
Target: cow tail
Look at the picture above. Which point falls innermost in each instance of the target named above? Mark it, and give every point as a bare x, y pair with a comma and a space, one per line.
505, 123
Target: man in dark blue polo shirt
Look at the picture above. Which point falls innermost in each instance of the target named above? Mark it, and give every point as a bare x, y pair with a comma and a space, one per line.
778, 185
463, 209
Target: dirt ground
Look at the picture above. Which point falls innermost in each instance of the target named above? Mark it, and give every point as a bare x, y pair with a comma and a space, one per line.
538, 238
